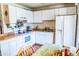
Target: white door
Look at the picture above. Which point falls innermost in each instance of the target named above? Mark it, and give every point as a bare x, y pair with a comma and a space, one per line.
59, 30
69, 30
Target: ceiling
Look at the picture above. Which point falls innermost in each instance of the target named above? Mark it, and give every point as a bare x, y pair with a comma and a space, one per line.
36, 5
43, 5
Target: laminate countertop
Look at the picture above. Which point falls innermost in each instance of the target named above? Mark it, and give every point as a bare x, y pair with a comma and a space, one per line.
7, 36
10, 35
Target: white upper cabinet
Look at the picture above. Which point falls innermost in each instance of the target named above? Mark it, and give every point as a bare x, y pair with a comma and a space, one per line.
62, 11
56, 11
52, 14
29, 16
37, 17
48, 14
12, 14
16, 13
20, 13
23, 14
78, 9
45, 15
71, 10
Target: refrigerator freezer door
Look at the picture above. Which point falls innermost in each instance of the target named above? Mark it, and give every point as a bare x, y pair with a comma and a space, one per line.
59, 30
69, 30
59, 22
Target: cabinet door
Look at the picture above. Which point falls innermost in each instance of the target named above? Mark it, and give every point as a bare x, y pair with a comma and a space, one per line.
37, 17
44, 38
71, 10
37, 38
56, 11
69, 30
19, 13
78, 9
50, 14
32, 38
12, 14
29, 16
12, 47
5, 51
24, 14
62, 11
19, 42
45, 15
48, 37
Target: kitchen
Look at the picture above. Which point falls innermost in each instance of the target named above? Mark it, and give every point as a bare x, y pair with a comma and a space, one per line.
37, 25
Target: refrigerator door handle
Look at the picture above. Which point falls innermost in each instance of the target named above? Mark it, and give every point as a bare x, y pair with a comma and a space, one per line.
60, 30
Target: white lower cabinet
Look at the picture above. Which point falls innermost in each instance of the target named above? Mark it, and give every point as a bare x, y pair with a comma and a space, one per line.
4, 48
44, 37
12, 47
19, 42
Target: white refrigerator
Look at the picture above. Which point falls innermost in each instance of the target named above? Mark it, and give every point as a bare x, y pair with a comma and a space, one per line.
65, 30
